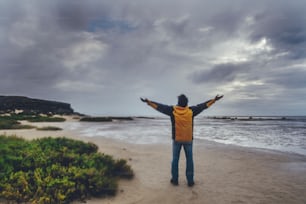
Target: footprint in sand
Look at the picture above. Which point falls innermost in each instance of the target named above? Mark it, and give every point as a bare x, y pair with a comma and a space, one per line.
194, 195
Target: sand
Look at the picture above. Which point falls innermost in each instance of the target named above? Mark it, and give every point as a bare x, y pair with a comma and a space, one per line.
223, 173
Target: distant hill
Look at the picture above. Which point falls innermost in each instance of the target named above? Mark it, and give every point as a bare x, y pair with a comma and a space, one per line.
31, 105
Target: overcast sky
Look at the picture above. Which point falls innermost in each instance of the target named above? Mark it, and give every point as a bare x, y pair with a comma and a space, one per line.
101, 56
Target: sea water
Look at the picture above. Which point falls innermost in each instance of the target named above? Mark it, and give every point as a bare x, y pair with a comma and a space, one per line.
287, 134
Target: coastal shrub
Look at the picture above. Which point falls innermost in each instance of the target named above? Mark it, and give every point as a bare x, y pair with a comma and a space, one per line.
56, 170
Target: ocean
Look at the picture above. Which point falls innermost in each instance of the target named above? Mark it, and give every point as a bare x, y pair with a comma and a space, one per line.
286, 134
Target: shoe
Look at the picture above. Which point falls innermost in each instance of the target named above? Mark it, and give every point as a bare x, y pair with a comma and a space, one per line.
190, 184
174, 182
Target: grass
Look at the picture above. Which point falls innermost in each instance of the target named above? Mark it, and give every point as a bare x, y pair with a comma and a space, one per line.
56, 170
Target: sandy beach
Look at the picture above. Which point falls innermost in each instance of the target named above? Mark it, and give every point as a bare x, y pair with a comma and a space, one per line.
223, 173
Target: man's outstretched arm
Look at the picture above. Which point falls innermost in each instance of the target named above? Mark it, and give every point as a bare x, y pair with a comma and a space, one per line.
202, 106
212, 101
158, 106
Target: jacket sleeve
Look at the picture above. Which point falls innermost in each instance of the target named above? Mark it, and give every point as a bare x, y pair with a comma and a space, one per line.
202, 106
165, 109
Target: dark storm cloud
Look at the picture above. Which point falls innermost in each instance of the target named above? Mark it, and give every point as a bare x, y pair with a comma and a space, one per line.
284, 27
35, 42
227, 22
72, 16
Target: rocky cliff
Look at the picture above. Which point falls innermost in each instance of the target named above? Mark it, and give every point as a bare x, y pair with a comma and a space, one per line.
11, 103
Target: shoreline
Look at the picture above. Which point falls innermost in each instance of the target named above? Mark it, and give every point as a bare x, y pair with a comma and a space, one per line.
223, 173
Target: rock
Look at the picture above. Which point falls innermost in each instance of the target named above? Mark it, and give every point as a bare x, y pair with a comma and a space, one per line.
11, 103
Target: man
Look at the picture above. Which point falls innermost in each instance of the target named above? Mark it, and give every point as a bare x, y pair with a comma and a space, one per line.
182, 131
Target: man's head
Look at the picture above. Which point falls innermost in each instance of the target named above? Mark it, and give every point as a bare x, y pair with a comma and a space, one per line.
182, 100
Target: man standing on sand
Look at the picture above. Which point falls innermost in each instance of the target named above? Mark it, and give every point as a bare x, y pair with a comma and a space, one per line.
182, 131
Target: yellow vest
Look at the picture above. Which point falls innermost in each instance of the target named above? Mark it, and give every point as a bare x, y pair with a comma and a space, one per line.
183, 123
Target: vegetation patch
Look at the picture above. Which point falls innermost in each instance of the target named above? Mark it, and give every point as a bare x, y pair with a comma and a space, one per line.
96, 119
49, 128
31, 117
12, 121
56, 170
46, 119
13, 124
104, 119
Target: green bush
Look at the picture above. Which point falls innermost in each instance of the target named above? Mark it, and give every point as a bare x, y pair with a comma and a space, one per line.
56, 170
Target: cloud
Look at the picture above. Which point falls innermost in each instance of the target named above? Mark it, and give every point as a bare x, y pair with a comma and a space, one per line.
292, 78
115, 51
283, 26
218, 74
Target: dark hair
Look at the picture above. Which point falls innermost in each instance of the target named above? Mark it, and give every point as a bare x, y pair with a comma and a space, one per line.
182, 100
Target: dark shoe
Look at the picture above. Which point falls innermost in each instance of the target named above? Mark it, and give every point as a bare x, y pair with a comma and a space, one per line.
174, 182
190, 184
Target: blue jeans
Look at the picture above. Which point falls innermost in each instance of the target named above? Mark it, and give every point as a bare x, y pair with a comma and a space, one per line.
176, 149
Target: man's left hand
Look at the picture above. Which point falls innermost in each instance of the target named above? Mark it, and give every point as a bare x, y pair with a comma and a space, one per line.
218, 97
